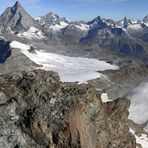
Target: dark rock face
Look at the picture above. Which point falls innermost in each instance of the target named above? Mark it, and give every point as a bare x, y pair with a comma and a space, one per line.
15, 19
114, 39
97, 23
5, 50
145, 19
127, 48
125, 23
32, 50
144, 37
37, 110
71, 35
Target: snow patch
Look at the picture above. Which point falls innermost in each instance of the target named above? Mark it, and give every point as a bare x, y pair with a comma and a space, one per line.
58, 27
83, 27
70, 69
19, 45
135, 27
143, 139
134, 22
38, 18
32, 33
104, 98
53, 16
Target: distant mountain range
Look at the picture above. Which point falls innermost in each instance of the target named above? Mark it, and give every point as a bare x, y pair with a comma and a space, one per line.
125, 37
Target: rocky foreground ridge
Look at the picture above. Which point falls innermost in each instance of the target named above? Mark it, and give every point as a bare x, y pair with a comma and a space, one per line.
37, 110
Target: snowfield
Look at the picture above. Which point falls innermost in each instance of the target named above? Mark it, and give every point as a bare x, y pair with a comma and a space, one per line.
143, 140
83, 27
19, 45
32, 33
135, 27
70, 69
104, 98
58, 27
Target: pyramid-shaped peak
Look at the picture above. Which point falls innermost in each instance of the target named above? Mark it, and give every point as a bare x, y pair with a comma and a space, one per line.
17, 4
16, 19
96, 20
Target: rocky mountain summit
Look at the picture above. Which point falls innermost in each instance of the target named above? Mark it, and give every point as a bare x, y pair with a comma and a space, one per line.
51, 19
15, 19
37, 110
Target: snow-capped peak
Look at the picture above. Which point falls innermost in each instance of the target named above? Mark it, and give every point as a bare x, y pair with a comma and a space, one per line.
52, 19
131, 25
38, 18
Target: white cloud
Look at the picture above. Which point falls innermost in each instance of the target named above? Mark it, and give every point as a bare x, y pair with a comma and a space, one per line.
139, 104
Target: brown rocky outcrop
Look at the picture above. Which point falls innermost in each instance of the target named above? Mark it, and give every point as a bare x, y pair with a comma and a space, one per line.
37, 110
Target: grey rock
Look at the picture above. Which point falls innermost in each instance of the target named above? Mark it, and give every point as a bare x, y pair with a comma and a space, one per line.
15, 19
44, 112
3, 98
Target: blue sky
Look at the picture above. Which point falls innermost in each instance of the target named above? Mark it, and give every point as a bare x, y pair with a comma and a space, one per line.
84, 9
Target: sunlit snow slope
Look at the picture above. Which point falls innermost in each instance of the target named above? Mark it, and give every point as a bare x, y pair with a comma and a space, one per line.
143, 140
32, 33
70, 69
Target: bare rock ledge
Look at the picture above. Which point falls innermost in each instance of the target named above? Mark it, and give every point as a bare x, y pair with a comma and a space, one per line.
39, 111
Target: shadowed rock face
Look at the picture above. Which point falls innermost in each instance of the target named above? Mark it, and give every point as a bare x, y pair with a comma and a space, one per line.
145, 19
115, 40
5, 50
37, 110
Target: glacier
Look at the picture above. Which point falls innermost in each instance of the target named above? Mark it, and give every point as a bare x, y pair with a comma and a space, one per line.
70, 69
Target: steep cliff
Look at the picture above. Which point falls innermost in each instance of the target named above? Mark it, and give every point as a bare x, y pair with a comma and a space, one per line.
37, 110
5, 50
